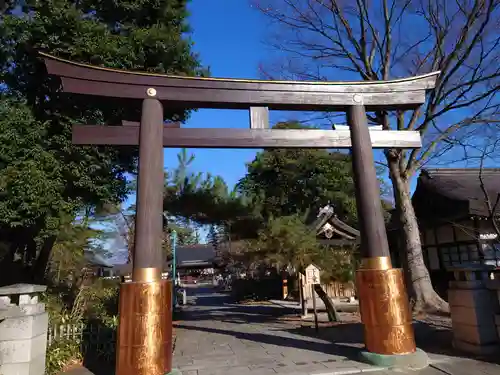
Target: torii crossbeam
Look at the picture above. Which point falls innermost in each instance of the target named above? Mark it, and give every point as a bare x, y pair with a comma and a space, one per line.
145, 330
241, 138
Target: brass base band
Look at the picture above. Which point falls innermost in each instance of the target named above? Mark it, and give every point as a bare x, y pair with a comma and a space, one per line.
145, 331
146, 275
385, 311
376, 263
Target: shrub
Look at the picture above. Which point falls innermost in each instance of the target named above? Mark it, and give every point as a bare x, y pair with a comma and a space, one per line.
256, 289
62, 354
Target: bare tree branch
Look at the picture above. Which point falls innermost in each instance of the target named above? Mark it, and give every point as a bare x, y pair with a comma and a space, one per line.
490, 202
385, 39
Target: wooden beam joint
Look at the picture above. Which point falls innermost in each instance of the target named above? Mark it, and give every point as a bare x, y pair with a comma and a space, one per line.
259, 118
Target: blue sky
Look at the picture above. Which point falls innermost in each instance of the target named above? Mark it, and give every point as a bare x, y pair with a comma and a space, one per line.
228, 36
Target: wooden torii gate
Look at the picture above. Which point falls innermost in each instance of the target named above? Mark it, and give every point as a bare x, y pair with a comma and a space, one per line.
145, 330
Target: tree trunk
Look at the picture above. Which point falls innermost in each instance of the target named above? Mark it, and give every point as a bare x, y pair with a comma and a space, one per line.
421, 292
333, 315
10, 272
38, 271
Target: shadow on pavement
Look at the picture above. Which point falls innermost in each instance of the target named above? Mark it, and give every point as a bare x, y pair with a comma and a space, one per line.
344, 339
214, 306
236, 314
327, 348
431, 339
210, 305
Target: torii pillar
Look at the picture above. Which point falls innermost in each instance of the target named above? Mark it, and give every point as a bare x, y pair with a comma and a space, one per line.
144, 344
383, 301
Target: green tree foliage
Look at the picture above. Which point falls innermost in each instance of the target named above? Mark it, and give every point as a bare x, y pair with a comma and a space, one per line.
279, 182
300, 181
31, 189
288, 241
30, 175
207, 200
213, 236
281, 193
285, 240
69, 277
43, 177
67, 259
218, 234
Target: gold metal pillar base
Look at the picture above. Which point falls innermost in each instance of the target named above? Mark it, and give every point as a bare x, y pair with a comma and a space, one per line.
144, 344
384, 308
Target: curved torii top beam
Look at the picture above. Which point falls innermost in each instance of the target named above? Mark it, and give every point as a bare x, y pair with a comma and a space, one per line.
198, 92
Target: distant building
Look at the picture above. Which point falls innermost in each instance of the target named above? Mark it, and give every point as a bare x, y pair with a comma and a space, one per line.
200, 258
97, 265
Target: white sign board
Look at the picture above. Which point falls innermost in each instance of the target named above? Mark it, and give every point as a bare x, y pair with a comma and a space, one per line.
313, 274
488, 236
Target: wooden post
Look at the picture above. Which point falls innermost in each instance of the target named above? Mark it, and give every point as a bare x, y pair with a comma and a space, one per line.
284, 285
313, 293
259, 118
145, 330
383, 299
371, 220
303, 299
149, 206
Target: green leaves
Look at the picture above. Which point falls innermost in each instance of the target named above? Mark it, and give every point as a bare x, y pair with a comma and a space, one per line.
286, 240
205, 199
43, 177
278, 183
297, 181
31, 185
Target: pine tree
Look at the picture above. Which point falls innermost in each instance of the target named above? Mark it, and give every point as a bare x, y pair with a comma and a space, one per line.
213, 237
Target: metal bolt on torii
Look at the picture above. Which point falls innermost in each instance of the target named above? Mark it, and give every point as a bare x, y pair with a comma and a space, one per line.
145, 329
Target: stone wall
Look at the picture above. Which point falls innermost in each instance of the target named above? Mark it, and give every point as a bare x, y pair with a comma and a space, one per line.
494, 286
23, 330
475, 308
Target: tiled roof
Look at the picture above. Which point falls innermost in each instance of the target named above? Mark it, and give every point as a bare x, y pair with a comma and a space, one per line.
195, 253
330, 230
462, 185
97, 259
200, 255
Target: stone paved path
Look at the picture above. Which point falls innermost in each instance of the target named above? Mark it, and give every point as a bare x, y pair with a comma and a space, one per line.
217, 337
